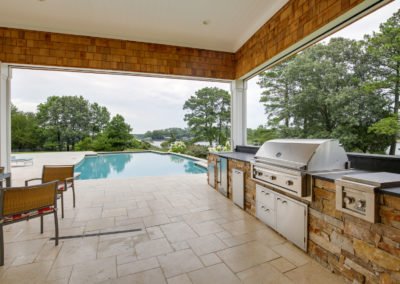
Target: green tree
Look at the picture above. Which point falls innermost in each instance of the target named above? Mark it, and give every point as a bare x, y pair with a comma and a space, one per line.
261, 134
118, 133
208, 115
25, 131
99, 118
67, 120
325, 92
384, 48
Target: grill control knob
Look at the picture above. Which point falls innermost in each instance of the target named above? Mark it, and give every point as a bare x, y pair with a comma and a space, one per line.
259, 173
348, 200
272, 177
289, 182
360, 204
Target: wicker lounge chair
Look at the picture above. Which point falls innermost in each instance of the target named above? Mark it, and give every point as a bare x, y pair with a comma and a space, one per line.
23, 203
18, 161
65, 177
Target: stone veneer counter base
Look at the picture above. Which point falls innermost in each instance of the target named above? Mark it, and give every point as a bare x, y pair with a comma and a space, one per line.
360, 251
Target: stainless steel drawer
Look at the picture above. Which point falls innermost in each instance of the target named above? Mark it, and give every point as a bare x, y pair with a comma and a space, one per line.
266, 215
265, 196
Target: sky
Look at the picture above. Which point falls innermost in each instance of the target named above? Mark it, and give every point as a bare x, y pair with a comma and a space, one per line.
357, 30
146, 103
150, 103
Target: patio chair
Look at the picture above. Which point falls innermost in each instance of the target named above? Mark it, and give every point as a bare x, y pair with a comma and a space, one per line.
24, 203
65, 177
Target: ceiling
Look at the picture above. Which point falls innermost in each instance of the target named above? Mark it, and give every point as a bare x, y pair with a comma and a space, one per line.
228, 23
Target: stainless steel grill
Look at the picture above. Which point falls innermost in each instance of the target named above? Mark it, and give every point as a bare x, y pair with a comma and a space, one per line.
284, 163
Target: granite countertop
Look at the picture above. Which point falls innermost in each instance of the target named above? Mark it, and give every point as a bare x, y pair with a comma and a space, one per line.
332, 176
391, 191
328, 176
395, 191
241, 156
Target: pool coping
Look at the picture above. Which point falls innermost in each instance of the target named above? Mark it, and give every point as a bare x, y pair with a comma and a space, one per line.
199, 161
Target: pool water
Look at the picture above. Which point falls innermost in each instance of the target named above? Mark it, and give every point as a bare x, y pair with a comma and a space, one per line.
135, 164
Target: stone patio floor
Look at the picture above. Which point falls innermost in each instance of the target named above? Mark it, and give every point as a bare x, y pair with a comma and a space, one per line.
189, 234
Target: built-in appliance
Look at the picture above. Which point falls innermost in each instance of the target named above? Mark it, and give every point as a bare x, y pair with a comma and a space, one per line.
356, 193
222, 175
238, 187
283, 214
285, 163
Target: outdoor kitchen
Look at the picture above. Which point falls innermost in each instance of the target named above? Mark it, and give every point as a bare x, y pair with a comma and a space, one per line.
317, 196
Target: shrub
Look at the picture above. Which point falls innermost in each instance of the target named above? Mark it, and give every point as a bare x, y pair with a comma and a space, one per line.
101, 143
84, 145
142, 145
220, 148
178, 147
165, 144
197, 151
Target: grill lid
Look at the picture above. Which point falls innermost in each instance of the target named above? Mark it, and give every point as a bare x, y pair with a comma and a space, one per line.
303, 154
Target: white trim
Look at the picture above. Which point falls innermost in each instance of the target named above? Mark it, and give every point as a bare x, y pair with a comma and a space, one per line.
115, 72
5, 116
238, 113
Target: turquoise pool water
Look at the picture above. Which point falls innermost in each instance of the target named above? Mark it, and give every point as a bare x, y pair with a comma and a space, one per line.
135, 164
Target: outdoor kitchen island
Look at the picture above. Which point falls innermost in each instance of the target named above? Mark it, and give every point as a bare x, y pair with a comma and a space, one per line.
359, 250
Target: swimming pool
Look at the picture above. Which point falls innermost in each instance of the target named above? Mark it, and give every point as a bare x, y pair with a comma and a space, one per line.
122, 165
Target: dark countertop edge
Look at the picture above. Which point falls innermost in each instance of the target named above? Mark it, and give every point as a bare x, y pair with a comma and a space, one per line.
323, 178
240, 156
374, 156
395, 191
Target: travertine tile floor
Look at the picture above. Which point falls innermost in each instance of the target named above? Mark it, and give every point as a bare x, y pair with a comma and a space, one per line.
190, 234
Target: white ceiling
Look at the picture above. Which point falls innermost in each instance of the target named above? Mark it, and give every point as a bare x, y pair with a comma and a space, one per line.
175, 22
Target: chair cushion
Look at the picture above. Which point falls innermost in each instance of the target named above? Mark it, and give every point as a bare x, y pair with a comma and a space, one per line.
61, 187
29, 214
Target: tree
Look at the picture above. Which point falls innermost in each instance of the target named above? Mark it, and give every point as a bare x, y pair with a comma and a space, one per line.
25, 131
118, 133
384, 48
99, 118
325, 92
208, 115
69, 119
261, 134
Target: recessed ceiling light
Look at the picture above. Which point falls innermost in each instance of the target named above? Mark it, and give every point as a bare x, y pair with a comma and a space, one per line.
206, 22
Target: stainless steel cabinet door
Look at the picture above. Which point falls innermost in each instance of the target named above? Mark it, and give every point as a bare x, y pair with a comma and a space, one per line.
211, 175
238, 187
223, 176
291, 221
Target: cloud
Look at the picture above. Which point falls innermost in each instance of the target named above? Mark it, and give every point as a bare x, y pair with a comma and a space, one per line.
147, 103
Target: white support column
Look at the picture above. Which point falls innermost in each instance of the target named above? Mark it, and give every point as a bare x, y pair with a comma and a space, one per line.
5, 116
238, 113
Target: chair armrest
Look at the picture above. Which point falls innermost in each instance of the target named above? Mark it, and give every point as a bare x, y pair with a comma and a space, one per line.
32, 179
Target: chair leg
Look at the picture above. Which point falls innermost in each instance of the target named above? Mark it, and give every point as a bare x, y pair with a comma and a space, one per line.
41, 224
1, 246
62, 205
56, 226
73, 194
